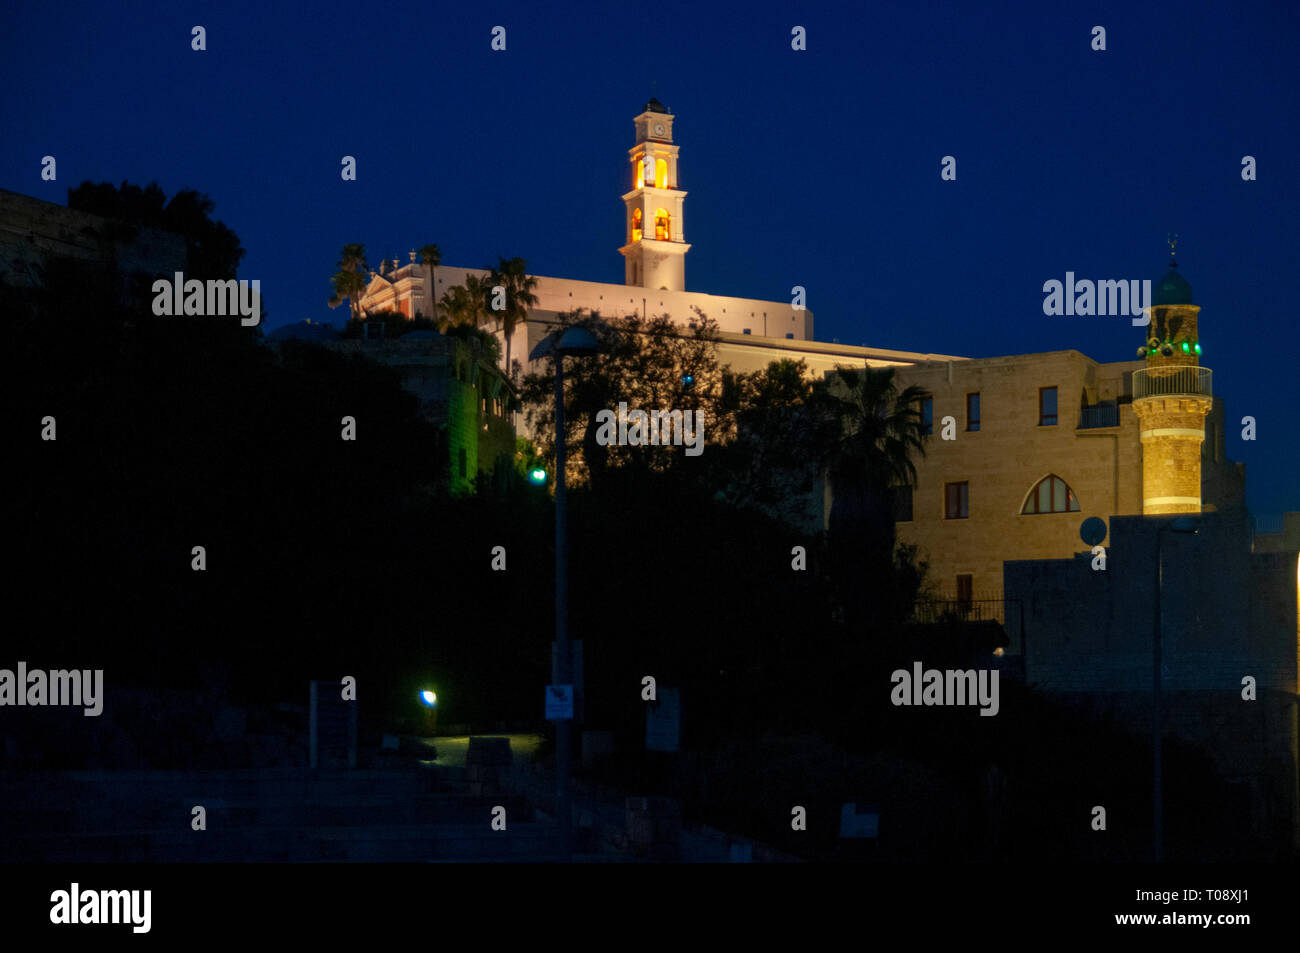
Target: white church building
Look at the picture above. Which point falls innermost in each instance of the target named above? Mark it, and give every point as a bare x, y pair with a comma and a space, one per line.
753, 333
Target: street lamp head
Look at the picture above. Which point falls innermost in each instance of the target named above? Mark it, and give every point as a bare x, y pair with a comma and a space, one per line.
572, 342
578, 342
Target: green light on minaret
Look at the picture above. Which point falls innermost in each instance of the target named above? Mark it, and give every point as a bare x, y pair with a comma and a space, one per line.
1186, 349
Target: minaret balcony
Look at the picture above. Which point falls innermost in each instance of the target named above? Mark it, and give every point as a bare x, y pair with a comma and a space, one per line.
1172, 380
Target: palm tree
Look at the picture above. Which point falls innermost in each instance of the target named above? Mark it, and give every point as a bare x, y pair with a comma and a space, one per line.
454, 305
870, 433
476, 300
878, 431
519, 286
465, 305
350, 280
432, 256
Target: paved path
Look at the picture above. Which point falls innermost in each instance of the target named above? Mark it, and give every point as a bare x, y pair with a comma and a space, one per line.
453, 748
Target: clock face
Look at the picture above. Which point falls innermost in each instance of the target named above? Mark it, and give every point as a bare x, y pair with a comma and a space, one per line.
659, 129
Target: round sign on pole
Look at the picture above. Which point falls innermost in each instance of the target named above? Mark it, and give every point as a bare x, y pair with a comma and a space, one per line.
1093, 530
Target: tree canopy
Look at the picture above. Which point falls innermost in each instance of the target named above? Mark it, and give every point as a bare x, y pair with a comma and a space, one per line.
213, 249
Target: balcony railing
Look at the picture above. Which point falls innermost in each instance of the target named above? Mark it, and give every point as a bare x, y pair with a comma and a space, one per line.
1172, 380
1099, 415
1009, 613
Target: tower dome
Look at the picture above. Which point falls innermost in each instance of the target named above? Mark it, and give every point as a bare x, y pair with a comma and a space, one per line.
1172, 289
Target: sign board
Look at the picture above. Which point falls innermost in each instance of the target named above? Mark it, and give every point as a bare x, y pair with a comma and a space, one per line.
663, 721
860, 821
576, 676
559, 702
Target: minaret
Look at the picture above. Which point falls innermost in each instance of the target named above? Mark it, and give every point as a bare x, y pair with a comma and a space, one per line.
1171, 397
655, 253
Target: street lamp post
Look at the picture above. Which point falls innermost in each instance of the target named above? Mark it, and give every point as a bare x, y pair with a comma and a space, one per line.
577, 342
1183, 524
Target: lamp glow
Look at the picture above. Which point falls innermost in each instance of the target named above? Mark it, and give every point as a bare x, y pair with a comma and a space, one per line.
429, 698
537, 476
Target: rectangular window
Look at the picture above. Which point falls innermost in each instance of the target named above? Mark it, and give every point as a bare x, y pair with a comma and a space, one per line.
927, 415
902, 504
973, 411
956, 501
965, 591
1047, 406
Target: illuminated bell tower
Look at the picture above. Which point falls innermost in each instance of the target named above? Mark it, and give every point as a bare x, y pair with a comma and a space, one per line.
1172, 396
655, 253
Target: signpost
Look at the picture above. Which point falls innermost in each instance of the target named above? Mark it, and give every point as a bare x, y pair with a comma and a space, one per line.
559, 702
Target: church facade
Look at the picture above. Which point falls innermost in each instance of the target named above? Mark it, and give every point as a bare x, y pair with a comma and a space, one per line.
753, 332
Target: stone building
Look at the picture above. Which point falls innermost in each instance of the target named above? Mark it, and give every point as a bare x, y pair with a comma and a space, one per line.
1025, 447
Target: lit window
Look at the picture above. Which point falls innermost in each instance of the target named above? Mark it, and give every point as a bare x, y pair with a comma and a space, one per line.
661, 174
636, 224
639, 180
663, 227
956, 501
1051, 495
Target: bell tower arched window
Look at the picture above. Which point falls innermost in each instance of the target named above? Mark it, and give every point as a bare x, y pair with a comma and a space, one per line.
663, 225
636, 224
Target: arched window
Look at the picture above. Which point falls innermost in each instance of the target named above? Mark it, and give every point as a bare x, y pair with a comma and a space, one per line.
636, 224
639, 179
661, 174
663, 226
1050, 495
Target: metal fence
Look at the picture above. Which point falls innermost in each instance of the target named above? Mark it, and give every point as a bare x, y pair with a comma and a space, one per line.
1099, 415
1009, 613
1172, 380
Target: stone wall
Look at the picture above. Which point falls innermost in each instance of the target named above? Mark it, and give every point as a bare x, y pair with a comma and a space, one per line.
1227, 613
32, 230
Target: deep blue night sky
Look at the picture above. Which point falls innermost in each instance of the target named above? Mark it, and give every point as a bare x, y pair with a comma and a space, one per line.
818, 168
